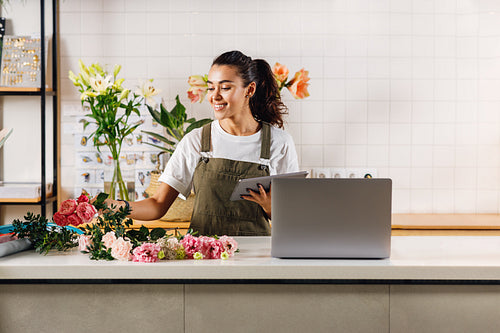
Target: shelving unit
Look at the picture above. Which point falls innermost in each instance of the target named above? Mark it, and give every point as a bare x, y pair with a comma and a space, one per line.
43, 93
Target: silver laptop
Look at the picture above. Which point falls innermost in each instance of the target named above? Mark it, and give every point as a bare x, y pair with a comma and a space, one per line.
331, 218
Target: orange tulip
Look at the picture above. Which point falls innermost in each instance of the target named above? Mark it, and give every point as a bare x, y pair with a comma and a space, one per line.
280, 73
298, 85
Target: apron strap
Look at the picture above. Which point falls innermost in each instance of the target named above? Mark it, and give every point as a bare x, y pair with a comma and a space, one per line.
265, 146
206, 135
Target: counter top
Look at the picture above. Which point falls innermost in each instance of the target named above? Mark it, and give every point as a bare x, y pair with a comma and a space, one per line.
413, 258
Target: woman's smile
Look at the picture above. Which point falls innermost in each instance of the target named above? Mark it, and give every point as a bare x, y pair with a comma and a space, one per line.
219, 106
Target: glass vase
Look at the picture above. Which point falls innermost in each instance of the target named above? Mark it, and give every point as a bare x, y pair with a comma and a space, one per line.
118, 187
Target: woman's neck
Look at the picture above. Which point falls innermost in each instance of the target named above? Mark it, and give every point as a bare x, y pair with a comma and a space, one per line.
240, 128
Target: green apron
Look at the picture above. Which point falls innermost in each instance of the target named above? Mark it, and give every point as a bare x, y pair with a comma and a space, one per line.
214, 180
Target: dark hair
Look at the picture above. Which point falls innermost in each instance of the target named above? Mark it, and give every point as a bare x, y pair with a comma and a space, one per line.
265, 104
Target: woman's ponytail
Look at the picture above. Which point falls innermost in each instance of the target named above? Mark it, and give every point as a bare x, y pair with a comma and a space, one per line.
265, 104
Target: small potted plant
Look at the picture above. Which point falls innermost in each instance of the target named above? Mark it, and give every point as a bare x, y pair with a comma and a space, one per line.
176, 125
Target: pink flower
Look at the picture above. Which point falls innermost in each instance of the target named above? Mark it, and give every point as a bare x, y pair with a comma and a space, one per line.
82, 198
109, 239
147, 252
60, 219
298, 85
67, 207
196, 93
86, 212
73, 219
211, 248
121, 249
84, 241
196, 80
190, 245
198, 88
230, 245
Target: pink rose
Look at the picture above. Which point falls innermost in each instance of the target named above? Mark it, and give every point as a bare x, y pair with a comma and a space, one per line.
60, 219
230, 245
211, 248
84, 242
190, 245
86, 212
109, 239
73, 219
121, 249
82, 198
67, 207
147, 252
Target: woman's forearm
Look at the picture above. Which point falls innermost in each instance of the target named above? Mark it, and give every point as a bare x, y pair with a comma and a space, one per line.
151, 208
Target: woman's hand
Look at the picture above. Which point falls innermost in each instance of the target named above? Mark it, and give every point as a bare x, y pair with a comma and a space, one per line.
261, 197
109, 202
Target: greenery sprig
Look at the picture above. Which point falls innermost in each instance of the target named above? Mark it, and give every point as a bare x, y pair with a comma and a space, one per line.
43, 237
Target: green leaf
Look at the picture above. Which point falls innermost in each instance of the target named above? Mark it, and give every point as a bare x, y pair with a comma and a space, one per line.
167, 120
175, 133
157, 233
197, 124
160, 137
168, 150
155, 114
144, 231
179, 111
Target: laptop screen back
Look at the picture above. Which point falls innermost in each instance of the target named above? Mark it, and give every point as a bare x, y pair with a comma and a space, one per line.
331, 218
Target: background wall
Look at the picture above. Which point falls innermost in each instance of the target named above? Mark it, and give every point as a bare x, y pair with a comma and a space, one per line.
408, 87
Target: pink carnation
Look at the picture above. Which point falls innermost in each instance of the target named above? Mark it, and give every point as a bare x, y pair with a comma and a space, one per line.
86, 212
67, 207
230, 245
190, 245
82, 198
60, 219
73, 219
147, 252
84, 241
109, 239
211, 248
121, 249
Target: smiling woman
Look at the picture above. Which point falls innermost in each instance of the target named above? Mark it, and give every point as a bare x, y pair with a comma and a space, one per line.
245, 141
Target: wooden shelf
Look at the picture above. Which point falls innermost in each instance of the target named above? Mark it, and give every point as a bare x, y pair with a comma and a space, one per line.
25, 200
22, 89
446, 221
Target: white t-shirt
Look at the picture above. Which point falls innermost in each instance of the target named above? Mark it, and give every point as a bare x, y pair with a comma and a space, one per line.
180, 168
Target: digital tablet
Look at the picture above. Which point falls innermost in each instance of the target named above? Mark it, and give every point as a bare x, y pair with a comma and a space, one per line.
252, 183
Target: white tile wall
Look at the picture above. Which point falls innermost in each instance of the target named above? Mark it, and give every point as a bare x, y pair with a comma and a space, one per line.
409, 87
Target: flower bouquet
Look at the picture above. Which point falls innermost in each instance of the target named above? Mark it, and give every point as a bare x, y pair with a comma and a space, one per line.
111, 106
109, 237
297, 86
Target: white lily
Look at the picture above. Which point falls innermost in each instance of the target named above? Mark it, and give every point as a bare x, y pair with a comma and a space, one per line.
74, 78
147, 90
86, 94
101, 84
116, 70
123, 95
